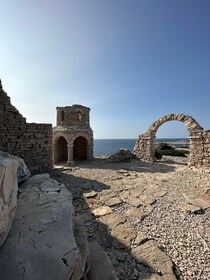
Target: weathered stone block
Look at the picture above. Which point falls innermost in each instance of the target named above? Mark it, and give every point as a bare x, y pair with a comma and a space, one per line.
8, 195
41, 244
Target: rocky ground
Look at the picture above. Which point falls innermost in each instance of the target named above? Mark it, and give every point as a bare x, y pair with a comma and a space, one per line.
151, 219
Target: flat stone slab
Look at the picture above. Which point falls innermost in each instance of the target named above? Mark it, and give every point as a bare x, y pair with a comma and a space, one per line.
102, 211
41, 243
112, 220
157, 261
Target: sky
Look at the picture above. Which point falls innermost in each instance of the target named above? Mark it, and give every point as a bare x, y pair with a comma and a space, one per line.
130, 61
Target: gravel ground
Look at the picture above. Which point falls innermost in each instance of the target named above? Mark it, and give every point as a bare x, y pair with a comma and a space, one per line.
181, 235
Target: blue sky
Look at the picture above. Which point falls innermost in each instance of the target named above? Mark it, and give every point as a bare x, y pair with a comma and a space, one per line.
130, 61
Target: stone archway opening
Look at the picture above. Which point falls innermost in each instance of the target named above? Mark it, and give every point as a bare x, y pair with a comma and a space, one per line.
80, 148
172, 147
60, 150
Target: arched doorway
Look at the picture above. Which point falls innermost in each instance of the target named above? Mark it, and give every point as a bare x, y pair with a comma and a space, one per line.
60, 150
144, 145
171, 142
80, 148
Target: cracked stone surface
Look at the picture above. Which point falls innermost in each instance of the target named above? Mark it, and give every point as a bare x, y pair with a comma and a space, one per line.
41, 243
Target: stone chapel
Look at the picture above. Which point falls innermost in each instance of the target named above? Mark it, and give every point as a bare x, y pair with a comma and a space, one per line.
72, 136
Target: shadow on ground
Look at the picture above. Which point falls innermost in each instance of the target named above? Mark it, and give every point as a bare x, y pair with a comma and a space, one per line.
133, 165
125, 265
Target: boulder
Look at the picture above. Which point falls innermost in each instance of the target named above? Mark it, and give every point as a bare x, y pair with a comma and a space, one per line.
23, 172
8, 196
41, 243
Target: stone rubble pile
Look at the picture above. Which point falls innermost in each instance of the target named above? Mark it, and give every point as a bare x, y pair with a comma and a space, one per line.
123, 155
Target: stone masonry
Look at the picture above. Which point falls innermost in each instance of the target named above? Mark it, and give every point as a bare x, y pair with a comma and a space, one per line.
199, 140
73, 136
30, 141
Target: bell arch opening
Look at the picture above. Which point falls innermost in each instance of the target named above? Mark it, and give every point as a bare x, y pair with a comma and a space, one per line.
60, 150
80, 148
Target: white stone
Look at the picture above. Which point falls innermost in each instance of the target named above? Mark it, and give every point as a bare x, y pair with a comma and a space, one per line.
8, 196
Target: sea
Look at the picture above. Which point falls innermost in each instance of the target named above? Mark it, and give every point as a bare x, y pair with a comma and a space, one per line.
112, 146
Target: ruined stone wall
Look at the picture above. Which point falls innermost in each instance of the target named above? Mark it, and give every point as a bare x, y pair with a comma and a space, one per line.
30, 141
75, 116
199, 140
206, 146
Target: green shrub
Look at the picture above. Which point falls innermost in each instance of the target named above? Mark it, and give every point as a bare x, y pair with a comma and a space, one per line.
174, 153
186, 152
163, 146
158, 154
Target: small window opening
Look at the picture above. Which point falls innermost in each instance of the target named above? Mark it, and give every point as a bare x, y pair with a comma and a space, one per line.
79, 116
62, 116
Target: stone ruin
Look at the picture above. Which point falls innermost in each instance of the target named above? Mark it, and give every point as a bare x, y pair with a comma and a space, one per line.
73, 136
198, 137
30, 141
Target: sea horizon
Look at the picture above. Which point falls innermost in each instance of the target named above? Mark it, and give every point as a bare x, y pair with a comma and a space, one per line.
110, 146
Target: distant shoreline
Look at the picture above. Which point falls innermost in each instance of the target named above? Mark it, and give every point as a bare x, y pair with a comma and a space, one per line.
175, 142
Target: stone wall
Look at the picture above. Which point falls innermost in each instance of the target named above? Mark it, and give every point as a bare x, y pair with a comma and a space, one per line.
30, 141
199, 140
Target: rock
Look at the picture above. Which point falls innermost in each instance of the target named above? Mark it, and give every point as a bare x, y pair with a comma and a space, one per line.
113, 201
89, 194
157, 261
100, 266
147, 199
134, 201
123, 235
8, 195
135, 213
141, 237
41, 243
23, 172
204, 204
189, 208
112, 220
102, 211
136, 192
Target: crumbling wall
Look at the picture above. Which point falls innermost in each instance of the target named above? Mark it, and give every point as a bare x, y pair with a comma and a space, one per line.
30, 141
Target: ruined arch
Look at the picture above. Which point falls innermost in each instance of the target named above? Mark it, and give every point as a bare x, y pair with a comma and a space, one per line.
60, 150
80, 148
191, 124
144, 144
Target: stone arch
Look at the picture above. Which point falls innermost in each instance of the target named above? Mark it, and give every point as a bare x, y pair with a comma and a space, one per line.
60, 150
191, 124
80, 148
144, 144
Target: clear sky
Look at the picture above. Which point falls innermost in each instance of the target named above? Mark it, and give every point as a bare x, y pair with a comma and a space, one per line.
130, 61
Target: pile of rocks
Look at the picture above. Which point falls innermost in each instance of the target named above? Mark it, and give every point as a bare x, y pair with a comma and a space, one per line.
123, 155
